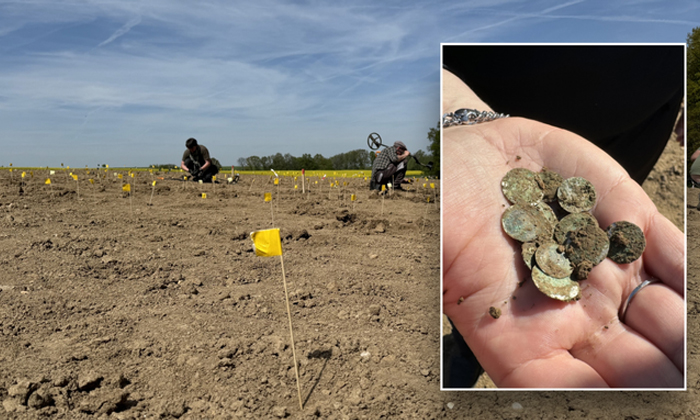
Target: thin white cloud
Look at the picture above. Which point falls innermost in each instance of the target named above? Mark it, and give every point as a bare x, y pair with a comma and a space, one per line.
121, 31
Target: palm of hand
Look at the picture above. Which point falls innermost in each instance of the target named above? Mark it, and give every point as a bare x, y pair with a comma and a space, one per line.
540, 342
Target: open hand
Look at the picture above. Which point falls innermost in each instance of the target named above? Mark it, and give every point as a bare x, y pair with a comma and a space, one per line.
539, 342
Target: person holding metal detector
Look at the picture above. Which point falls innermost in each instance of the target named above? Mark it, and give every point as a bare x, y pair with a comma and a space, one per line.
390, 167
197, 162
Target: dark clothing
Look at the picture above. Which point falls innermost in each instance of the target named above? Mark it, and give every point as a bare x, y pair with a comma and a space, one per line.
462, 368
387, 169
625, 99
201, 155
195, 161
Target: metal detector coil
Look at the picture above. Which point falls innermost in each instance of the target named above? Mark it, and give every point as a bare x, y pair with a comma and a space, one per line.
374, 141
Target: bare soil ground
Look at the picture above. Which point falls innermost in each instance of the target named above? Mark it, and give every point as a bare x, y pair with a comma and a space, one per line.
110, 308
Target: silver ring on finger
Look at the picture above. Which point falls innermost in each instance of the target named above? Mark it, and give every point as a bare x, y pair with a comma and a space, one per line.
625, 306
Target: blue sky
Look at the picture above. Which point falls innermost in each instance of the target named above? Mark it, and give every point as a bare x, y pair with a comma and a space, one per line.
127, 82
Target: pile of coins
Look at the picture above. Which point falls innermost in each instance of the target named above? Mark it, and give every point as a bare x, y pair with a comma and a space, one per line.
561, 239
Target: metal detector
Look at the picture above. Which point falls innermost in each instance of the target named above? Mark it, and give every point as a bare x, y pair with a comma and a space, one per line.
374, 141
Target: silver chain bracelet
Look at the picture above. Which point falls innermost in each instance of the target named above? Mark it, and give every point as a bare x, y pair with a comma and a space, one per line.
466, 116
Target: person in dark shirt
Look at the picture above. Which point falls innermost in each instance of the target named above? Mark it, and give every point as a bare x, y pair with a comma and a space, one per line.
390, 167
197, 162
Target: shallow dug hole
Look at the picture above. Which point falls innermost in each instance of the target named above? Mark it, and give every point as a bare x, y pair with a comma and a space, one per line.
111, 307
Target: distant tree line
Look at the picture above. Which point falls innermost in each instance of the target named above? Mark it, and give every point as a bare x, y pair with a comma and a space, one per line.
354, 159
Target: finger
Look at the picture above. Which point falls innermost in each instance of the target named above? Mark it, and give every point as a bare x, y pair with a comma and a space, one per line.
664, 257
656, 312
624, 359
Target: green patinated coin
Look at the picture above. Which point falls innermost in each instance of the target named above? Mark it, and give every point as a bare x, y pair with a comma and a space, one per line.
552, 261
525, 223
522, 186
627, 242
576, 195
528, 250
571, 223
548, 213
563, 289
589, 243
551, 182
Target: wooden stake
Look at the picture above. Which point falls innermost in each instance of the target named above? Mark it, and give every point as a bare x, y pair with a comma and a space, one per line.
152, 191
291, 334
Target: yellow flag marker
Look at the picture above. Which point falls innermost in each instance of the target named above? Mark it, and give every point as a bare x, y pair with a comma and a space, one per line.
266, 243
204, 195
383, 187
213, 178
296, 186
425, 185
316, 182
107, 166
268, 196
92, 181
11, 169
185, 178
120, 176
345, 184
126, 188
277, 181
75, 177
352, 197
131, 174
48, 181
432, 185
23, 174
67, 167
428, 199
154, 183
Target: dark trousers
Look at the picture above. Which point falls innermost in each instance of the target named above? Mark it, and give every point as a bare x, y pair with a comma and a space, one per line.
203, 176
393, 174
463, 369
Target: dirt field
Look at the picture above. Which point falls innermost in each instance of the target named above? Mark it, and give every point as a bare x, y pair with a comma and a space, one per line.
163, 311
110, 308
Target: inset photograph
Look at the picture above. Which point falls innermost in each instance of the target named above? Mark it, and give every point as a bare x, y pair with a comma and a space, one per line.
563, 261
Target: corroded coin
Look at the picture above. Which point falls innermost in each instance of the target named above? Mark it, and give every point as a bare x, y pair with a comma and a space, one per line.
548, 213
576, 195
528, 250
525, 223
552, 261
522, 186
550, 183
627, 242
589, 243
561, 289
582, 271
571, 223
